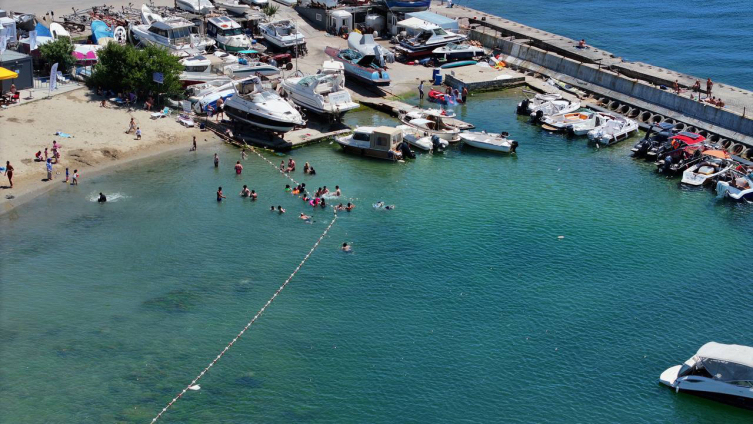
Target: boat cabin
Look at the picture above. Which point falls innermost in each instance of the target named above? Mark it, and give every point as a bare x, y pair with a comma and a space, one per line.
223, 26
175, 34
198, 64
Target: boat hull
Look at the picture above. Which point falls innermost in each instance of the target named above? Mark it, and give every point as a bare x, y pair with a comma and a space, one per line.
376, 154
479, 144
407, 6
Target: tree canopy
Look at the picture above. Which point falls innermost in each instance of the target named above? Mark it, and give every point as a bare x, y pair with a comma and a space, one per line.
59, 51
126, 68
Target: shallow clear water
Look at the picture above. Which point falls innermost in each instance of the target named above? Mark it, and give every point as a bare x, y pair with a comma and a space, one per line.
461, 305
705, 38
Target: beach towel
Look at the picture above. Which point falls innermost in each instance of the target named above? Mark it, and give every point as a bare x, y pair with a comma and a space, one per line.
64, 135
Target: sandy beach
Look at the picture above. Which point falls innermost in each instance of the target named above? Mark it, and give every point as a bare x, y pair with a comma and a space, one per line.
99, 140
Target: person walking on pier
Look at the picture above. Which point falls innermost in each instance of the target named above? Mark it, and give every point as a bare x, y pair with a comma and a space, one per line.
421, 90
709, 86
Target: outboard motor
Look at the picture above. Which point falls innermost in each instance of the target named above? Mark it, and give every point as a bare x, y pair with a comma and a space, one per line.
513, 146
523, 107
570, 131
437, 143
537, 117
667, 164
406, 151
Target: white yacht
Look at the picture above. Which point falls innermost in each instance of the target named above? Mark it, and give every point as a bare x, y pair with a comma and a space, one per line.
323, 93
254, 105
717, 371
422, 140
428, 38
282, 34
613, 130
173, 33
431, 123
195, 92
199, 7
228, 34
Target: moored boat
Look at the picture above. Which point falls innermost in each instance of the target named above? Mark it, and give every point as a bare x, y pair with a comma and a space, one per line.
431, 123
615, 129
422, 140
404, 6
712, 164
655, 135
488, 141
359, 66
526, 106
254, 105
323, 93
375, 142
563, 121
553, 107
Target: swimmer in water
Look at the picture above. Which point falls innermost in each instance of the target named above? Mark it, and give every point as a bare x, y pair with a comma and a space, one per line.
306, 167
305, 217
346, 248
389, 207
253, 195
220, 196
305, 197
340, 207
279, 208
323, 204
378, 205
287, 188
271, 208
325, 190
349, 207
337, 191
238, 168
245, 192
102, 198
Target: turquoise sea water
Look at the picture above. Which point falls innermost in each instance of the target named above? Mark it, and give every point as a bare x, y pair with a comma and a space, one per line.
706, 38
461, 305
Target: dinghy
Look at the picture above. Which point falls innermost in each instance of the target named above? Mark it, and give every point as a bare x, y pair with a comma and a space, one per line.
616, 129
486, 141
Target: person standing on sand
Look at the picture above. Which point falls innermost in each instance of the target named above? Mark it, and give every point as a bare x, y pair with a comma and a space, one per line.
131, 126
9, 172
138, 133
709, 86
49, 169
220, 109
75, 177
216, 161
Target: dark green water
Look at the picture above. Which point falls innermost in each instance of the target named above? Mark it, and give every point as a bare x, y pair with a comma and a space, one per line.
462, 305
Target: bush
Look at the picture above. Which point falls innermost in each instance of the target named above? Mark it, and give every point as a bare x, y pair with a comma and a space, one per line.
126, 68
59, 51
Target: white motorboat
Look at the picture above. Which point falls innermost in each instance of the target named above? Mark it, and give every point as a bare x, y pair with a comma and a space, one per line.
554, 107
282, 34
195, 92
422, 140
173, 33
720, 372
367, 46
197, 70
739, 188
375, 142
563, 121
431, 123
453, 52
323, 93
251, 68
527, 106
487, 141
583, 127
201, 104
148, 17
199, 7
713, 164
228, 34
613, 130
259, 2
254, 105
233, 6
428, 38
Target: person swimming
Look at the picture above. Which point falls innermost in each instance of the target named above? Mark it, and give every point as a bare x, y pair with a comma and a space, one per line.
325, 190
340, 207
337, 191
280, 209
253, 195
271, 208
349, 207
305, 217
323, 204
102, 198
346, 248
287, 188
245, 192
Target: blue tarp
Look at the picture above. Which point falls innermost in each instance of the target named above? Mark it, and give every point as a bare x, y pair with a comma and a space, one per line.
100, 30
42, 31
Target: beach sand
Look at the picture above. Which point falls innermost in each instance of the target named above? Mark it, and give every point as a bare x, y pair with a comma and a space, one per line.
99, 140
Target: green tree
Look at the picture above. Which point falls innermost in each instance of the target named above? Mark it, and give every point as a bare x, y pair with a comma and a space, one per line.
126, 68
59, 51
270, 9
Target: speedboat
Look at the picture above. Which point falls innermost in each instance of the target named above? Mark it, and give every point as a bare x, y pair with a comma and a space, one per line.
375, 142
453, 52
431, 123
199, 7
613, 130
282, 34
563, 121
713, 164
429, 38
323, 93
656, 134
359, 66
738, 186
240, 70
553, 107
254, 105
720, 372
173, 33
487, 141
228, 34
679, 153
233, 6
422, 140
202, 103
674, 143
366, 45
198, 69
403, 6
527, 106
195, 92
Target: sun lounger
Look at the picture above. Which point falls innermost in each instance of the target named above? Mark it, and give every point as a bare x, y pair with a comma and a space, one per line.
164, 114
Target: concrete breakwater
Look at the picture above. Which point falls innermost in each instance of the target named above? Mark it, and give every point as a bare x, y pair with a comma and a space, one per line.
630, 88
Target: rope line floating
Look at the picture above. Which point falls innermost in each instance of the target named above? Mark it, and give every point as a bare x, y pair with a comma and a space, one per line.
249, 324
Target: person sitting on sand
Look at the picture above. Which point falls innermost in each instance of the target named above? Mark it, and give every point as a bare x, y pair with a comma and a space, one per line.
246, 193
349, 207
305, 217
346, 248
138, 133
103, 103
102, 198
149, 103
280, 209
38, 156
306, 167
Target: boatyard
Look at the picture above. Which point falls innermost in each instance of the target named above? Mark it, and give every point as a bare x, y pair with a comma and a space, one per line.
436, 203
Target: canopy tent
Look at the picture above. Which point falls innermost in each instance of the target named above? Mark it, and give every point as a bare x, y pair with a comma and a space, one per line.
7, 74
727, 362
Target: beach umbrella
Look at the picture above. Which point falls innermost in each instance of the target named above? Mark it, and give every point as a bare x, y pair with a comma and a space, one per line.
7, 74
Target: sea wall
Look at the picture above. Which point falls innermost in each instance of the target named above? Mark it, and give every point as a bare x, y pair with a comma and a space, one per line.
592, 78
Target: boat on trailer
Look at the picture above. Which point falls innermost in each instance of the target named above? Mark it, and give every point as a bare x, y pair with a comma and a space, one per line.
362, 68
323, 93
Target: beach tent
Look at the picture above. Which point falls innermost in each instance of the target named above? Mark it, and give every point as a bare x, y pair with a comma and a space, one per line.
7, 74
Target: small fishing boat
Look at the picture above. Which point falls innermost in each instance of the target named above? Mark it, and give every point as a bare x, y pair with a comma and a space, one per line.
362, 68
720, 372
199, 7
323, 93
452, 52
282, 35
656, 134
431, 123
375, 142
713, 164
228, 34
263, 108
613, 130
487, 141
233, 6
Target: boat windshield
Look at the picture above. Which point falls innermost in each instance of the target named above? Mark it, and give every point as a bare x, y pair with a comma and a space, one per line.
360, 136
232, 31
264, 96
180, 34
439, 31
195, 68
307, 81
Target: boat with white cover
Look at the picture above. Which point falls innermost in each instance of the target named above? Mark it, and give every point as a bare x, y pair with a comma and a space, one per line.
453, 52
198, 7
739, 187
488, 141
428, 38
228, 34
282, 34
233, 6
562, 121
554, 107
323, 93
431, 122
613, 130
720, 372
527, 106
254, 105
